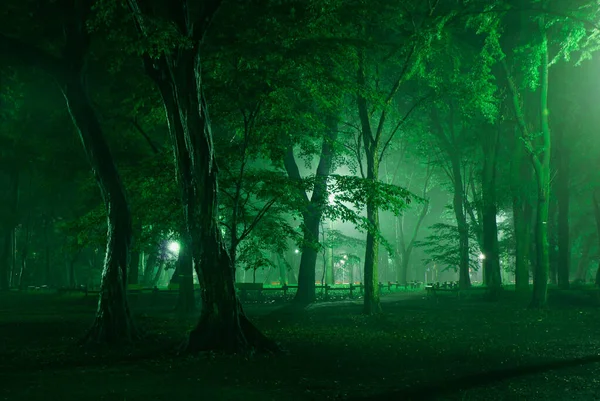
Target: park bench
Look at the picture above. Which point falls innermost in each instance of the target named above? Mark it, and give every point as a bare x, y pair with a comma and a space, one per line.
283, 288
412, 284
433, 291
243, 288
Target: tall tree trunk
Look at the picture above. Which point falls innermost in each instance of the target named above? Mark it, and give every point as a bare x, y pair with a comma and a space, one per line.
25, 251
562, 197
542, 172
522, 215
313, 212
539, 150
222, 323
329, 265
6, 253
113, 321
552, 241
490, 249
372, 304
464, 281
584, 260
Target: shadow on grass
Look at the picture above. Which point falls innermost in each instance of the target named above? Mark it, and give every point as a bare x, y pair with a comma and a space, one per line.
431, 391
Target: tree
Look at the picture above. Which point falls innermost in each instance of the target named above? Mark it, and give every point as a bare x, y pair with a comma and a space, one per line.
176, 71
113, 321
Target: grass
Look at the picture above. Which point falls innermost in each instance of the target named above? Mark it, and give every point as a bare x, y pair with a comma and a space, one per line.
417, 349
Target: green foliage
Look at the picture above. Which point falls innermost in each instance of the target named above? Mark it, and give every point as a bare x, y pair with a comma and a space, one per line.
441, 247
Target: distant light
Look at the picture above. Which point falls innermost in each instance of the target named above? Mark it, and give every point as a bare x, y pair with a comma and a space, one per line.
296, 251
481, 256
342, 261
331, 198
345, 256
174, 247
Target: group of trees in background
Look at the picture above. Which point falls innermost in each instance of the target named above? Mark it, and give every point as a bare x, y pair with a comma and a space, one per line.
195, 120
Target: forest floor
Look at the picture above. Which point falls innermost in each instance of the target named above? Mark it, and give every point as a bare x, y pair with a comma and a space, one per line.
417, 349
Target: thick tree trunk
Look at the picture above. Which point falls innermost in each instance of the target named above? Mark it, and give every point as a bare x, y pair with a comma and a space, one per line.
25, 252
372, 304
313, 213
308, 259
371, 272
464, 280
223, 324
7, 245
540, 275
490, 249
552, 241
562, 197
542, 169
522, 215
4, 261
113, 321
49, 280
329, 266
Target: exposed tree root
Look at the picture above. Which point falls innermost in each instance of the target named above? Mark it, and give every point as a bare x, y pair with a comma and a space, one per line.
111, 329
228, 335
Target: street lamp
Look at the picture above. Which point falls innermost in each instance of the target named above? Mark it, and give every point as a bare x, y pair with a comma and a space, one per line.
174, 248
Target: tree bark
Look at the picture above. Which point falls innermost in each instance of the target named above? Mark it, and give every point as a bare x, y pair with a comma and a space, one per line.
542, 171
313, 212
6, 252
490, 248
223, 324
113, 321
552, 240
540, 158
372, 304
464, 280
522, 215
562, 197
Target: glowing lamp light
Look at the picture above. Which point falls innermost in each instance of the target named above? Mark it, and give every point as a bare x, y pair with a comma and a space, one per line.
296, 251
174, 247
481, 256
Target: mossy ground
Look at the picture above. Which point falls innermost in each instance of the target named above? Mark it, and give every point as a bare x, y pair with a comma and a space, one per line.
418, 349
